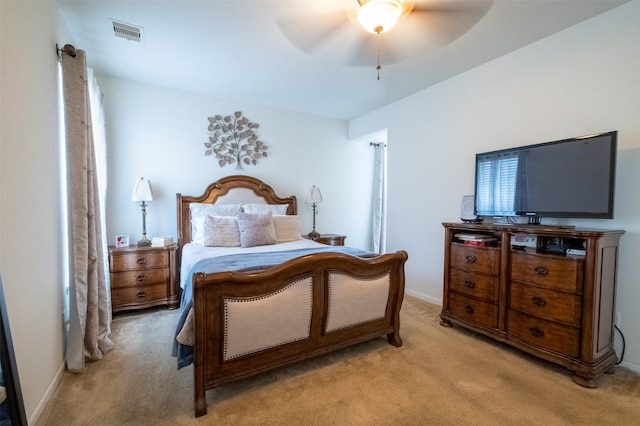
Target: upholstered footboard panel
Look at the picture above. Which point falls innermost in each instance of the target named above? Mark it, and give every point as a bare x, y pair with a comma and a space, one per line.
253, 321
254, 324
354, 301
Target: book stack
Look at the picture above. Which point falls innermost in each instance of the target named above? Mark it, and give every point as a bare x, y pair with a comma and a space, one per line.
161, 241
576, 252
477, 239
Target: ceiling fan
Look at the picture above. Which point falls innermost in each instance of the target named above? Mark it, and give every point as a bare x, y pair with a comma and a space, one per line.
360, 32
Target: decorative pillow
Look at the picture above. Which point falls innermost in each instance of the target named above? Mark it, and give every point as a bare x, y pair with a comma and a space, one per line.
275, 209
221, 231
256, 229
287, 228
200, 211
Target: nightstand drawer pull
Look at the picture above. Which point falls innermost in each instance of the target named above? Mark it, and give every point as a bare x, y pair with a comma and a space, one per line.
469, 309
141, 278
537, 300
141, 261
141, 294
469, 284
470, 258
536, 331
541, 270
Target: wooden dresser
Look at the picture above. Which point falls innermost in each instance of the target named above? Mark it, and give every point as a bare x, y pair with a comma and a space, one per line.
142, 277
521, 284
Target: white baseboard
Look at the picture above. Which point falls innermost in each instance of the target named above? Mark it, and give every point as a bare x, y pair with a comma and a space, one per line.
631, 366
47, 394
424, 297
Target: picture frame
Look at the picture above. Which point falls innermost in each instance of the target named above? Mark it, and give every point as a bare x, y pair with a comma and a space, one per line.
122, 241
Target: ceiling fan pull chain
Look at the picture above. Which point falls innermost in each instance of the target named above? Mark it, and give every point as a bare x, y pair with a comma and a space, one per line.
378, 67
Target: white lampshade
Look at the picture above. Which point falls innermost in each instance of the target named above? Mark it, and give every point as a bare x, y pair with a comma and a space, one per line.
142, 191
315, 196
379, 16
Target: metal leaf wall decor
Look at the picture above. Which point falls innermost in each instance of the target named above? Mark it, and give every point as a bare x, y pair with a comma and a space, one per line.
233, 141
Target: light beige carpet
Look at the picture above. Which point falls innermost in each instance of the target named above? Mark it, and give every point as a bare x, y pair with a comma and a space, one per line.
440, 376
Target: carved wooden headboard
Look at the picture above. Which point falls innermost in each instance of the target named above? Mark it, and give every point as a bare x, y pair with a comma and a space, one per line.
228, 190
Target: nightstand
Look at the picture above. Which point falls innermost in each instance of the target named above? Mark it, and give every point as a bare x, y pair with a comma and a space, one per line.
329, 239
142, 277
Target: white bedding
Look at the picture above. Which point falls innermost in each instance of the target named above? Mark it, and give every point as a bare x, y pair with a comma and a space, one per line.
192, 253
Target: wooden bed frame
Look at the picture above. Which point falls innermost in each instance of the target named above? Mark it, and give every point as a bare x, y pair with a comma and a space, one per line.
214, 292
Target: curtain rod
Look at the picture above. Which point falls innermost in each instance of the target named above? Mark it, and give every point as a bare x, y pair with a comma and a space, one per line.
69, 49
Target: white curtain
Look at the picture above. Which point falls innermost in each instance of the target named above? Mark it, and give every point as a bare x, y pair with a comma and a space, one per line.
100, 144
90, 311
379, 216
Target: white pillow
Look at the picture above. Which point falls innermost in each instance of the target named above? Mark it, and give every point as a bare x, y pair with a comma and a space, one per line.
275, 209
287, 228
221, 231
256, 229
200, 211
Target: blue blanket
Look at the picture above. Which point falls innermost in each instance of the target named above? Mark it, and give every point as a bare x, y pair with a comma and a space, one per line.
236, 262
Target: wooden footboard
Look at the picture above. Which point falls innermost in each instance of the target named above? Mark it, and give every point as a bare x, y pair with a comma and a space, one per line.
253, 321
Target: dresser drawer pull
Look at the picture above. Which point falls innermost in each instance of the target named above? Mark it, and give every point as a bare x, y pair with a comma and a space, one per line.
541, 270
470, 258
469, 284
536, 331
537, 300
469, 309
141, 278
141, 294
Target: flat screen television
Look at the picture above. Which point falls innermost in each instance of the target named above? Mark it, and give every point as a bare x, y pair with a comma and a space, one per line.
569, 178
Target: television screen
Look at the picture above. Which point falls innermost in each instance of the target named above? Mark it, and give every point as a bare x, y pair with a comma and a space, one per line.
573, 178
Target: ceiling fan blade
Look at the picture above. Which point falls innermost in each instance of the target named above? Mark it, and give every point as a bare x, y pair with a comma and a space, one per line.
311, 31
439, 23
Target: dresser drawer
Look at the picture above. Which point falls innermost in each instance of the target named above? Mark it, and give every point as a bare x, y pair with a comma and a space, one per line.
140, 277
560, 273
473, 310
545, 334
478, 285
125, 261
546, 303
138, 295
475, 259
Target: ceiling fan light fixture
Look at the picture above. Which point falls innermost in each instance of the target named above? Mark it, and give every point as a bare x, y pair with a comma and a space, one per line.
379, 16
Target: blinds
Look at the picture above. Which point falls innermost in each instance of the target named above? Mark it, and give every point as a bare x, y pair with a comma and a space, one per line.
496, 185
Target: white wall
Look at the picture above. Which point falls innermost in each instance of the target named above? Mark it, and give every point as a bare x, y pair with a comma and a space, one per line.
159, 133
583, 80
30, 220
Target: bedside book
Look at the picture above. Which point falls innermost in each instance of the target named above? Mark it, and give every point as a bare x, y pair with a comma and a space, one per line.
161, 241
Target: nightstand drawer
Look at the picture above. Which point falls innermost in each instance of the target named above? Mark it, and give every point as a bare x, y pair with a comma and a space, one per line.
138, 295
126, 261
141, 277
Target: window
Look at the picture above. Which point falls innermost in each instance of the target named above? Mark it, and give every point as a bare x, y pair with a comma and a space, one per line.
496, 184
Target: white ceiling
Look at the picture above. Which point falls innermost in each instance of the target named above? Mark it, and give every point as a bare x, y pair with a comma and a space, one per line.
259, 51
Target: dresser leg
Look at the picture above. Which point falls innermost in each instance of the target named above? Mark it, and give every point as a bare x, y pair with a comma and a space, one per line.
584, 382
445, 322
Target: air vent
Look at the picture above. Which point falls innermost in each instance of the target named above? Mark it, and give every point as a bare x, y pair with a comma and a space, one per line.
127, 31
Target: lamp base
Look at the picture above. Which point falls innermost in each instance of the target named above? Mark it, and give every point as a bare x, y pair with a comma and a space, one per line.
144, 242
313, 235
